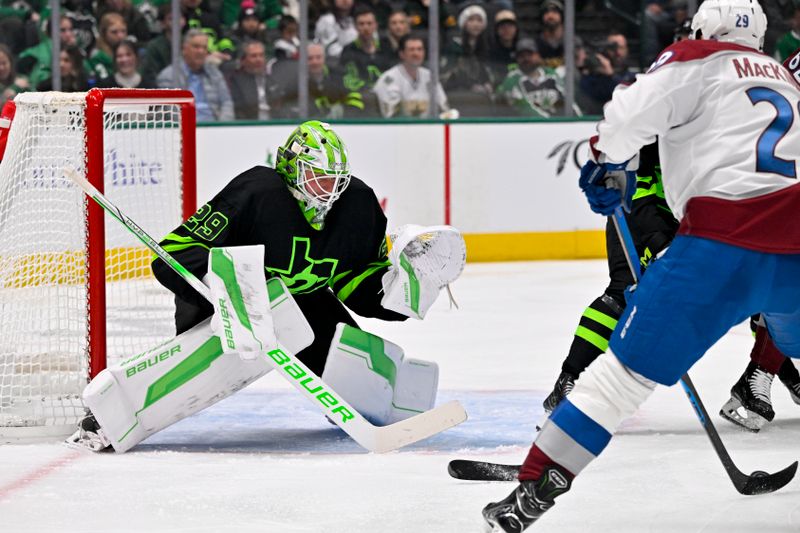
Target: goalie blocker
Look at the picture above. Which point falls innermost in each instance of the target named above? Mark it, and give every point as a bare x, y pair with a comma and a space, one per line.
155, 389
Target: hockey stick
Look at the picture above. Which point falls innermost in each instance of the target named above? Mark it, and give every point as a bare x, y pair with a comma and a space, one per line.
377, 439
759, 482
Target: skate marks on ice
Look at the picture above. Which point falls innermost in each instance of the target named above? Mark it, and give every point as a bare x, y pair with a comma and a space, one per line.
262, 420
279, 421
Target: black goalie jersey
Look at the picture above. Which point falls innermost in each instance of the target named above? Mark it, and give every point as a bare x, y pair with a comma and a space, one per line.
347, 258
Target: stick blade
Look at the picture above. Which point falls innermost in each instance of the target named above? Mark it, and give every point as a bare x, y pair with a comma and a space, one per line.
482, 471
763, 483
416, 428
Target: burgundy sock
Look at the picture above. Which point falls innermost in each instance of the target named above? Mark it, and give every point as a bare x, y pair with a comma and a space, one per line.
765, 354
535, 464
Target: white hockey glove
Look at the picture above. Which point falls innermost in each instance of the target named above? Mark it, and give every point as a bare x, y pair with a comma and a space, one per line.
242, 317
424, 260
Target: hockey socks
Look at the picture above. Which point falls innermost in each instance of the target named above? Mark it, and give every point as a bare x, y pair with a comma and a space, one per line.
764, 352
581, 426
591, 337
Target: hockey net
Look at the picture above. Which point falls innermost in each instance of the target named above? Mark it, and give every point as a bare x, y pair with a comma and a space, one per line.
76, 289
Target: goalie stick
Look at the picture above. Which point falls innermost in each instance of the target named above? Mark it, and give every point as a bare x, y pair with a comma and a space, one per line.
759, 482
377, 439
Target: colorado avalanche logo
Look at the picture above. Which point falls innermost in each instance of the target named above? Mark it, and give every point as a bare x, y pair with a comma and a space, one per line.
664, 58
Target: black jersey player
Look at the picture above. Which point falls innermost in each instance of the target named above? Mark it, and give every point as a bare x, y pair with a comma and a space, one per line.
323, 231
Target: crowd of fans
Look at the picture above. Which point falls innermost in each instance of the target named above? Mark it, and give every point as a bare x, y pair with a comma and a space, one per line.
367, 57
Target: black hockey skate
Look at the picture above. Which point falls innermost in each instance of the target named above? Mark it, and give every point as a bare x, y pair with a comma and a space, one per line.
527, 502
750, 405
790, 377
564, 385
89, 436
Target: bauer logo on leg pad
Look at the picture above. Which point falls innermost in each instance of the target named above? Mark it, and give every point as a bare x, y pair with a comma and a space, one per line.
323, 396
226, 323
151, 361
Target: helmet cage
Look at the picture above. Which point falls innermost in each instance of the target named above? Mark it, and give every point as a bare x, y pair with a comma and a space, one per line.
321, 186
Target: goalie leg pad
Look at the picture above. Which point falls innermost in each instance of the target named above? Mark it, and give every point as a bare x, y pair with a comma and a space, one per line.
149, 392
153, 390
373, 376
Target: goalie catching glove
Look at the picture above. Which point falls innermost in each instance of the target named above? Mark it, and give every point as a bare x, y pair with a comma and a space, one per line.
424, 260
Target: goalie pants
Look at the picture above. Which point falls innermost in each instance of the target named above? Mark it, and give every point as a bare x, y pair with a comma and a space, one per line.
321, 308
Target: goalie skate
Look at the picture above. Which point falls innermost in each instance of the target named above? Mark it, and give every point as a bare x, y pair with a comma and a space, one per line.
89, 436
750, 405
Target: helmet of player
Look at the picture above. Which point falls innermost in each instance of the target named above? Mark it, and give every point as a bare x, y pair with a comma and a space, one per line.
313, 163
736, 21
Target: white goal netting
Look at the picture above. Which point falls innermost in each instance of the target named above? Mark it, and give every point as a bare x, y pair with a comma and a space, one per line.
45, 293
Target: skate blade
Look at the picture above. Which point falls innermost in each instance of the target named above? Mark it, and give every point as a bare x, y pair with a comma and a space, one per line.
795, 398
735, 412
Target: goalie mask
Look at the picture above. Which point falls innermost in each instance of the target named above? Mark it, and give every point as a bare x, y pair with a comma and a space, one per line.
313, 163
735, 21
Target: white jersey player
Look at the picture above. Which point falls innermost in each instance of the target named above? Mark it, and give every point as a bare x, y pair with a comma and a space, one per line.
404, 89
725, 118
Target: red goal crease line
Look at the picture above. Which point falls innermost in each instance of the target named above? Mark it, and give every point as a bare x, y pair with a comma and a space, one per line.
38, 474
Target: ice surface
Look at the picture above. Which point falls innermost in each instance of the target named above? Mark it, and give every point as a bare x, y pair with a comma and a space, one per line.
265, 460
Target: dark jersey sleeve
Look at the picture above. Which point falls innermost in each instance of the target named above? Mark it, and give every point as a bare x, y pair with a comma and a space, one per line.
653, 222
360, 288
213, 225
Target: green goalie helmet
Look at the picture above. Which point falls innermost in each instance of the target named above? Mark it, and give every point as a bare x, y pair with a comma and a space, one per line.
314, 164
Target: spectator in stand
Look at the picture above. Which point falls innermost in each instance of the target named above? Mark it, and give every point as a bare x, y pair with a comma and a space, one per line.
550, 40
126, 74
18, 21
328, 97
791, 40
403, 90
199, 17
287, 46
532, 89
135, 23
466, 76
205, 81
84, 22
111, 32
158, 53
252, 89
418, 15
35, 62
399, 25
618, 53
336, 29
503, 46
11, 84
382, 9
268, 12
604, 69
779, 17
74, 78
366, 58
249, 27
660, 19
